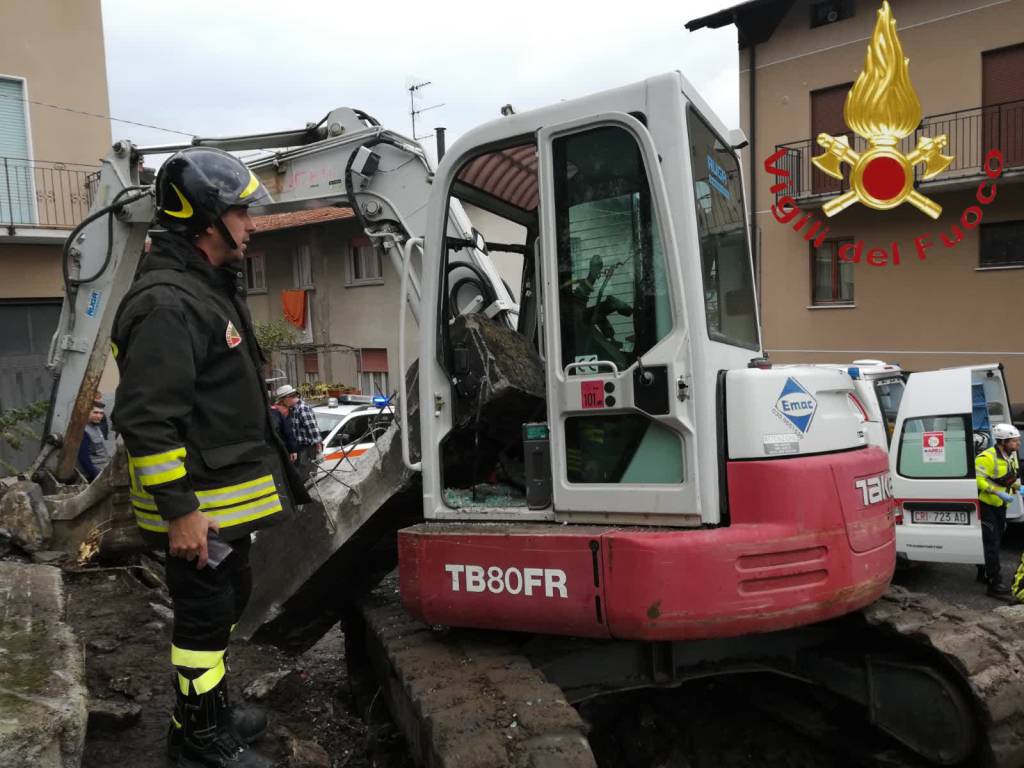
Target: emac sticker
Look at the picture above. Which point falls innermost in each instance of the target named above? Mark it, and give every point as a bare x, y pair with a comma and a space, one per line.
795, 406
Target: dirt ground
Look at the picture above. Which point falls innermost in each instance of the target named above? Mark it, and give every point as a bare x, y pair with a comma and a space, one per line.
124, 626
122, 617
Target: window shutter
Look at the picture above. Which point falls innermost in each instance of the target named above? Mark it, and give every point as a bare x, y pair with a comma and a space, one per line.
373, 361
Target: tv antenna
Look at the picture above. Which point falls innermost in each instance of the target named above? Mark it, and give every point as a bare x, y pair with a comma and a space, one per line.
415, 87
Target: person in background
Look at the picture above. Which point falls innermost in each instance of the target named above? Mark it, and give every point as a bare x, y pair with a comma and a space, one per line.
307, 432
998, 474
283, 426
93, 455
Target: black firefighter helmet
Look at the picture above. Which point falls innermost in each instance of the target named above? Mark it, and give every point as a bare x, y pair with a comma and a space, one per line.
197, 185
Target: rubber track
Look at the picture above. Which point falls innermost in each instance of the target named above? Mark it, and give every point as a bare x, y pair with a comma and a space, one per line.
987, 648
466, 699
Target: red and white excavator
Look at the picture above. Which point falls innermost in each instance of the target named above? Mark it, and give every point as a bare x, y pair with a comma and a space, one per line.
609, 467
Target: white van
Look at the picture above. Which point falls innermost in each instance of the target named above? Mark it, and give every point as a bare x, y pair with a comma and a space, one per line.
932, 424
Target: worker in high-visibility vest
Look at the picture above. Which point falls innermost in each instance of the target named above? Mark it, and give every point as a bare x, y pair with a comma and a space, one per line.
998, 474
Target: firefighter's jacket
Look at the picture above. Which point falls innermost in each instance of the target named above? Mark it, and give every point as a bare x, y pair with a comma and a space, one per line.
996, 473
191, 405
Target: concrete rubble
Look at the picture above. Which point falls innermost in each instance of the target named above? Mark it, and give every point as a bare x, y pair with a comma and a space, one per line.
43, 708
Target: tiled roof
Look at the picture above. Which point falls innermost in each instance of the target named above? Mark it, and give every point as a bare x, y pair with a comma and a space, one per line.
300, 218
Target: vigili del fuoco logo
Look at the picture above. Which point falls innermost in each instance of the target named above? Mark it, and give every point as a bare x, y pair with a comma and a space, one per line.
882, 108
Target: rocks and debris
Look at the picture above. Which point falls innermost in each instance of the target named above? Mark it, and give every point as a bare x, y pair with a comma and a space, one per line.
307, 754
43, 710
264, 685
107, 715
313, 723
102, 645
24, 516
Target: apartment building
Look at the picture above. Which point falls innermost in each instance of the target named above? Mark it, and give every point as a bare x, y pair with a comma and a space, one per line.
51, 61
316, 273
925, 292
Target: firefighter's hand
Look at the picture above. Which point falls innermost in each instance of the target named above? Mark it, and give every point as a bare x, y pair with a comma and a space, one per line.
187, 536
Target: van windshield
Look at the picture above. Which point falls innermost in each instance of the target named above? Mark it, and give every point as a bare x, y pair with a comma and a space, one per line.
890, 394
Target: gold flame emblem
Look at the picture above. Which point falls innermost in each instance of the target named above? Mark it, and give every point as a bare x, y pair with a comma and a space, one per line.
882, 108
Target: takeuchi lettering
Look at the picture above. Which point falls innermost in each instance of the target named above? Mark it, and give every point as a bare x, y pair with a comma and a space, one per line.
786, 211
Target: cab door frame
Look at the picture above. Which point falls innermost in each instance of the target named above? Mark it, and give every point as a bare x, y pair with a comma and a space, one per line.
572, 394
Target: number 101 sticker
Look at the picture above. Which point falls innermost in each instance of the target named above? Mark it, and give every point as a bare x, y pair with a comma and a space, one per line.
592, 394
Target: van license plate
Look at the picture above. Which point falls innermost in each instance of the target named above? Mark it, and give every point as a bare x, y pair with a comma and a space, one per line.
943, 517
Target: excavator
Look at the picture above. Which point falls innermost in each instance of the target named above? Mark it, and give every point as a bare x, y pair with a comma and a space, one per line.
596, 482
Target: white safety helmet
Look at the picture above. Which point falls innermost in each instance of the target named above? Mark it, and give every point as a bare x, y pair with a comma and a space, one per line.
1005, 432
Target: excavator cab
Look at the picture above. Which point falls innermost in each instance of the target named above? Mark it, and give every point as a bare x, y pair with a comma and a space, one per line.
608, 461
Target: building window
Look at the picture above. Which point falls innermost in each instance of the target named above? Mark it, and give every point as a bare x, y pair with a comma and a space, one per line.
364, 263
831, 279
827, 117
373, 371
255, 272
17, 174
302, 267
1002, 100
831, 11
1002, 244
311, 366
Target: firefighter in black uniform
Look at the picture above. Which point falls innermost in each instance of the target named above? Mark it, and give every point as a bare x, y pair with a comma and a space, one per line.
206, 467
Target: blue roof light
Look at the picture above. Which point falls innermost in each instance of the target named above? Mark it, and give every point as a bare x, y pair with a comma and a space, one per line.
854, 372
381, 401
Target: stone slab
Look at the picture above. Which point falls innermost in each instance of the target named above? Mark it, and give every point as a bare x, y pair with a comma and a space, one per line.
43, 700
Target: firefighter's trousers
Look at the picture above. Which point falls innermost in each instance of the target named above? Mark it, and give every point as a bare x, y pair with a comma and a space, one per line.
207, 605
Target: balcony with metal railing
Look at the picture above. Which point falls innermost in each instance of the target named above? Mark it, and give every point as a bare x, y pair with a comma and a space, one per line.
971, 134
38, 196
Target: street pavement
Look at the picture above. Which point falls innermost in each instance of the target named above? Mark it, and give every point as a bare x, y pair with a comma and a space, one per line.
956, 583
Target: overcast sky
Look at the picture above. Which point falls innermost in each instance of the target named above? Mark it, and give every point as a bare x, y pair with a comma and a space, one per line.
216, 68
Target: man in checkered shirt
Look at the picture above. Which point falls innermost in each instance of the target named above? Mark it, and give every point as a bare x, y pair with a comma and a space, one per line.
307, 432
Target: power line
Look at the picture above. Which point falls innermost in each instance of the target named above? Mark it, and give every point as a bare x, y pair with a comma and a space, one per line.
94, 114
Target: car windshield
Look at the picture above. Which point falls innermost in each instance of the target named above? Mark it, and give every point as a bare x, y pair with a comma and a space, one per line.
328, 421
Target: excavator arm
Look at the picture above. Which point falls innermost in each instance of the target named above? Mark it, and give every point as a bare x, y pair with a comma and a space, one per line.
346, 159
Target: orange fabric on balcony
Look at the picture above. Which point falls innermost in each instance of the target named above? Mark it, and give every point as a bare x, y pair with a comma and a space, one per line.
293, 304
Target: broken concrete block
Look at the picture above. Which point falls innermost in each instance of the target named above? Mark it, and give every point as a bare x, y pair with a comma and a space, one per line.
24, 516
103, 645
112, 715
43, 709
308, 754
264, 685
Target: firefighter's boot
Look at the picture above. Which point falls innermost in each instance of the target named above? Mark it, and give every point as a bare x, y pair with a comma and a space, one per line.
208, 739
249, 722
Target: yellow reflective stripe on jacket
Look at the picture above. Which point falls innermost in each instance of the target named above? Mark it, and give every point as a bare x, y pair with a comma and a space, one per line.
230, 505
243, 513
183, 657
216, 497
233, 494
157, 468
246, 513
